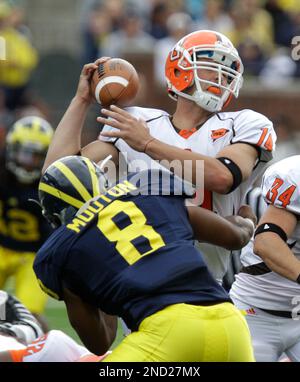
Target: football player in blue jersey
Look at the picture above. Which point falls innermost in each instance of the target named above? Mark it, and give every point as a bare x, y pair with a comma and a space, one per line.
127, 251
22, 226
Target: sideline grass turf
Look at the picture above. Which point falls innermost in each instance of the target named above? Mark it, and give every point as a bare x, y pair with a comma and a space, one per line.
57, 318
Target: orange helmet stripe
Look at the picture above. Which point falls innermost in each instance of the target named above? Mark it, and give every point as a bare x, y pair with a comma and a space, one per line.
200, 38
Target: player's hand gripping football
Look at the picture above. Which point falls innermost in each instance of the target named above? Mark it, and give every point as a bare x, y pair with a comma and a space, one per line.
83, 90
134, 131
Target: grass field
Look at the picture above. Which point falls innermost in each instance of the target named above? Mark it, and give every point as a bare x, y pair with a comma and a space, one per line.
57, 319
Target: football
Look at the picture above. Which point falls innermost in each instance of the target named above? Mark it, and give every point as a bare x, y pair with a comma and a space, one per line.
115, 82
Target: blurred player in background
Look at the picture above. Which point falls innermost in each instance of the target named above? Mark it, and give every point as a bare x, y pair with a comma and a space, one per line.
21, 57
130, 252
268, 285
22, 226
203, 73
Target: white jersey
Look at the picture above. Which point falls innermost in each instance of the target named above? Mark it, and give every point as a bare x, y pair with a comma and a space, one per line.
260, 287
219, 131
55, 346
11, 343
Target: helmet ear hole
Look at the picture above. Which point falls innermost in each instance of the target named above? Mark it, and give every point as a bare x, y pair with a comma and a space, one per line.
56, 220
177, 73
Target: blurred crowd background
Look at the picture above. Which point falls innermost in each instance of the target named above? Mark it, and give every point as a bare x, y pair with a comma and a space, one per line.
47, 42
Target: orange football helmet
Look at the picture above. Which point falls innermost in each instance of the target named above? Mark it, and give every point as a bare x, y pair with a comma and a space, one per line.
209, 51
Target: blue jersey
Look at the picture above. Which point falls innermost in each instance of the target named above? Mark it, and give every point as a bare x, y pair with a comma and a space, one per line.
22, 225
129, 254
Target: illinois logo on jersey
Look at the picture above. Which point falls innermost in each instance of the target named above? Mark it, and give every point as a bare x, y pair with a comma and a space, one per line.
219, 133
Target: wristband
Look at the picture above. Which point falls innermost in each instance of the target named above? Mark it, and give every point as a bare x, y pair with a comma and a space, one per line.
235, 171
147, 143
270, 227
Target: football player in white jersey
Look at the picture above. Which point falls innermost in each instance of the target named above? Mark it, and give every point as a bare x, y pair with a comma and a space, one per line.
203, 72
55, 346
22, 338
267, 287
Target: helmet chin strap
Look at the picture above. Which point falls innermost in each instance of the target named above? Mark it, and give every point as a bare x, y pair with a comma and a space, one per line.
206, 100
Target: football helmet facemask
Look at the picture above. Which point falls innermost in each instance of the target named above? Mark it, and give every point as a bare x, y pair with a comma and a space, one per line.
27, 143
67, 185
210, 51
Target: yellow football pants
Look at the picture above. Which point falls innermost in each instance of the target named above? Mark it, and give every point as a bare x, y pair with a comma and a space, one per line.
27, 290
188, 333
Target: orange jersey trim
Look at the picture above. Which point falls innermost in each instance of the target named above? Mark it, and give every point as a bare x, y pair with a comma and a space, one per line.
208, 200
17, 355
187, 133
